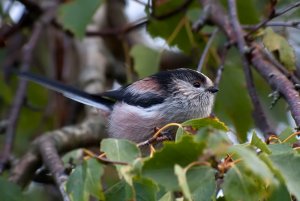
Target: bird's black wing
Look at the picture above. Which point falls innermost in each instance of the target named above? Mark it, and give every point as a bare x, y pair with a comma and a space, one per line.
144, 93
70, 92
145, 100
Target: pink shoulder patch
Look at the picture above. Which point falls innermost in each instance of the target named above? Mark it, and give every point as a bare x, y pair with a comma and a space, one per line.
146, 85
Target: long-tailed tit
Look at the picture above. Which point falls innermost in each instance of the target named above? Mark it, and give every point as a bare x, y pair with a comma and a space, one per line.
137, 109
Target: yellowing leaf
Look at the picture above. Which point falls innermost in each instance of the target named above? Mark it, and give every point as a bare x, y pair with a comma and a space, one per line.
199, 123
276, 43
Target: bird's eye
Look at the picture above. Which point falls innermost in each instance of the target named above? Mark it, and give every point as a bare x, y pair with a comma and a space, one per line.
196, 84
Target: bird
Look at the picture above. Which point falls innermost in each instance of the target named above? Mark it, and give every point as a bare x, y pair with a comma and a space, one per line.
137, 109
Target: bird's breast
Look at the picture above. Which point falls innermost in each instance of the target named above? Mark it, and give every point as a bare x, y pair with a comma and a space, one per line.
133, 122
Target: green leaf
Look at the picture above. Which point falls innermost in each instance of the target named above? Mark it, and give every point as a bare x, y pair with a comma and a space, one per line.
253, 14
167, 197
201, 181
280, 148
123, 151
146, 60
94, 171
253, 163
180, 132
276, 43
288, 164
121, 191
218, 142
176, 29
181, 175
239, 185
120, 150
160, 167
256, 141
249, 17
75, 185
286, 133
197, 183
232, 102
85, 181
76, 15
127, 172
10, 191
279, 193
200, 123
145, 189
194, 14
264, 157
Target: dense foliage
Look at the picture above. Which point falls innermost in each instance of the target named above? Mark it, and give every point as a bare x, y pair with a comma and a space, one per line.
232, 156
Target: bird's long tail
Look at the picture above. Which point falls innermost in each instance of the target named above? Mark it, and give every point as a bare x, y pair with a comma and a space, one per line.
93, 100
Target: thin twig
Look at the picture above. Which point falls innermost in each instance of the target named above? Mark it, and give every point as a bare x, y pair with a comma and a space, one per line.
274, 15
32, 6
287, 9
118, 31
258, 113
291, 136
202, 20
220, 70
173, 12
140, 2
206, 49
292, 24
102, 159
27, 54
138, 24
157, 134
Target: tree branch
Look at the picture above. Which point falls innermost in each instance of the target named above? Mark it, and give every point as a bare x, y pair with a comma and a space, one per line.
258, 113
86, 134
269, 72
27, 54
277, 81
53, 162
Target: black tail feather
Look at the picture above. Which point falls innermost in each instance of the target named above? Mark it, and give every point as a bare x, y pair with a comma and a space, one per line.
68, 91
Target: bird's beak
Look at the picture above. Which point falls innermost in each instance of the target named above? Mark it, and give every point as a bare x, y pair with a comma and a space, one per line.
212, 89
